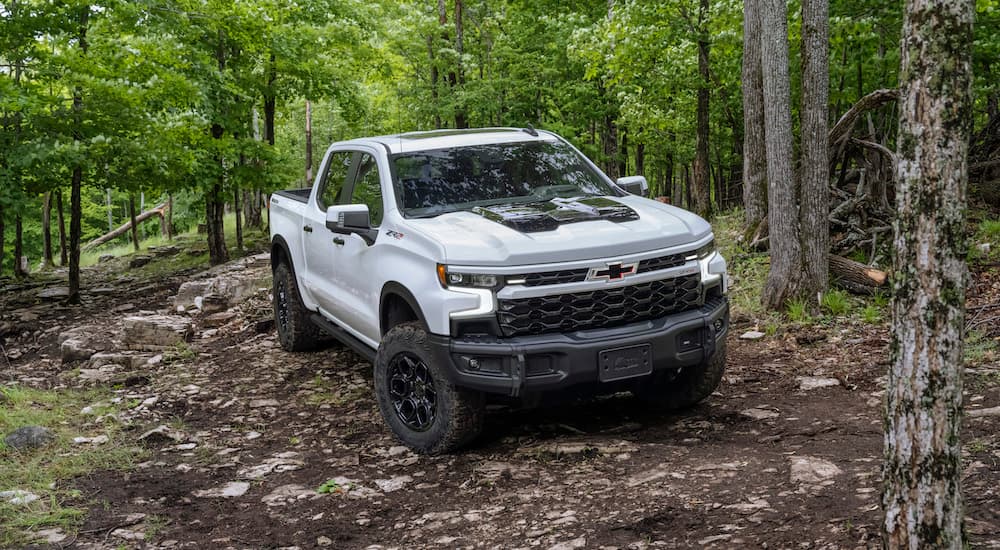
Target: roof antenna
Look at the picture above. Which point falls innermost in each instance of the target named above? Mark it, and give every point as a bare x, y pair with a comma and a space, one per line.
530, 130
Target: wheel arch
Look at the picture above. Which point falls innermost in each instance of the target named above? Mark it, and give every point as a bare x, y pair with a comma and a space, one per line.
398, 305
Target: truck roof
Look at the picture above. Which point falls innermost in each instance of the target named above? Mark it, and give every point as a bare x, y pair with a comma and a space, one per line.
443, 139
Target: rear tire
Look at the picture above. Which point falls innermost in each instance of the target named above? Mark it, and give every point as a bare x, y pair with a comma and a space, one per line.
295, 331
690, 387
422, 408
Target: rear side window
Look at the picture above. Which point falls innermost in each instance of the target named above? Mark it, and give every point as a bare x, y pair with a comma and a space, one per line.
368, 188
334, 179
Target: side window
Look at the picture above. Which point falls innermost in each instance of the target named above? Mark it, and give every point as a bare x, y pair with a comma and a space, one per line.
368, 188
333, 180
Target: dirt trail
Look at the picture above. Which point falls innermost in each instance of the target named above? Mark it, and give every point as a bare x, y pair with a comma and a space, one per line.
786, 454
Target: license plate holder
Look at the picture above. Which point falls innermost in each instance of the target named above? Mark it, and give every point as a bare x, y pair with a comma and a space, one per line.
625, 362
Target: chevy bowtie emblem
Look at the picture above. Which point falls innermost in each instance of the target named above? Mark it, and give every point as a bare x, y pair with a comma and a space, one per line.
613, 272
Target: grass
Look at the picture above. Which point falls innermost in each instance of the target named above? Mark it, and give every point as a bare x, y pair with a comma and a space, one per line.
835, 303
979, 348
48, 472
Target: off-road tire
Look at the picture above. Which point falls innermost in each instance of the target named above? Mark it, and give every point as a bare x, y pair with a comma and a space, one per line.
458, 413
690, 387
291, 319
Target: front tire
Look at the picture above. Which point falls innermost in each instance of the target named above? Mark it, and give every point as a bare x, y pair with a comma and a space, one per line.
422, 408
295, 331
690, 387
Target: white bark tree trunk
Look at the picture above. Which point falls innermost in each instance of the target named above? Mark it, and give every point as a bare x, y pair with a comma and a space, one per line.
922, 496
754, 156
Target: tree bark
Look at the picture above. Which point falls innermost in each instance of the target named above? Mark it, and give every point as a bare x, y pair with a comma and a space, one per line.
132, 222
785, 279
63, 258
309, 146
239, 222
215, 204
854, 276
75, 210
170, 217
922, 496
702, 174
3, 238
640, 159
47, 230
19, 270
461, 119
814, 206
270, 101
754, 156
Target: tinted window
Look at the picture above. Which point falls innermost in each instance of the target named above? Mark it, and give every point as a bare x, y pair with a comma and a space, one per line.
333, 180
446, 180
368, 188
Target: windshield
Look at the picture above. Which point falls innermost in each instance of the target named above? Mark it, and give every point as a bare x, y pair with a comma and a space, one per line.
435, 182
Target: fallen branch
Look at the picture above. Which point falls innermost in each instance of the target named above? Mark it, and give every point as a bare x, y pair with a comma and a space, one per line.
841, 131
158, 210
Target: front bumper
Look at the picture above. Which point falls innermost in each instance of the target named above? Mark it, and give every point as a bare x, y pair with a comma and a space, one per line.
547, 362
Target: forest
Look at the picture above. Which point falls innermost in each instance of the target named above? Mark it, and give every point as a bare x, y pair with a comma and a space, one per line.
848, 143
110, 108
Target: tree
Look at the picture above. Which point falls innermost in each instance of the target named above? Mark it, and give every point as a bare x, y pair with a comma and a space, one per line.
754, 155
814, 205
922, 471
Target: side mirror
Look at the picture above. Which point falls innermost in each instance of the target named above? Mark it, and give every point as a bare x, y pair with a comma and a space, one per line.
346, 219
635, 185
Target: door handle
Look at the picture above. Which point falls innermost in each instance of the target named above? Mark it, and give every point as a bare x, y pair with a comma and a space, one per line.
338, 241
308, 229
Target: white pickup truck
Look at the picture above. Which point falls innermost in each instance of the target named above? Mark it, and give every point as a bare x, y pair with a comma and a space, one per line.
495, 265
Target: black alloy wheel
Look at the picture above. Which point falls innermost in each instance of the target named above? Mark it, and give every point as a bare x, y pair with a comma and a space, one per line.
411, 389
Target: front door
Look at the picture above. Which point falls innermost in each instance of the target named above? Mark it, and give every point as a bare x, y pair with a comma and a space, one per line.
322, 255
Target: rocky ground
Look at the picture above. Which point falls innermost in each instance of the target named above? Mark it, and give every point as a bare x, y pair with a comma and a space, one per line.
253, 447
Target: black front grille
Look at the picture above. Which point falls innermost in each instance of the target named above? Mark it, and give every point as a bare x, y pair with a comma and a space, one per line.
663, 262
556, 277
598, 308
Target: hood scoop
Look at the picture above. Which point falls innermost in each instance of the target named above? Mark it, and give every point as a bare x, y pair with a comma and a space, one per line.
548, 215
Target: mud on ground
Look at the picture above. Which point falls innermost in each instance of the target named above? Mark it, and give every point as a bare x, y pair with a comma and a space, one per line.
266, 449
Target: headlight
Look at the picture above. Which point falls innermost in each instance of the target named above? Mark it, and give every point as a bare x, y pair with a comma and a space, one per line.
703, 252
450, 278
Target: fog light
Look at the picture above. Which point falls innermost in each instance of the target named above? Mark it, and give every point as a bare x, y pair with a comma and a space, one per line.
719, 325
473, 364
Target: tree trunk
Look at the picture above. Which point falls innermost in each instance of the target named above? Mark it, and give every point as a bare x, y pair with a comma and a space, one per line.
47, 230
215, 204
239, 222
922, 496
3, 238
63, 258
124, 228
75, 209
309, 147
640, 159
623, 154
19, 270
170, 217
131, 217
434, 82
815, 166
609, 139
854, 276
785, 280
701, 194
754, 156
461, 120
107, 203
270, 101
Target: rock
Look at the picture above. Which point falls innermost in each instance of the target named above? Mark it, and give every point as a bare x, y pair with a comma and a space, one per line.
51, 536
230, 285
757, 413
323, 541
394, 484
283, 463
812, 470
128, 534
54, 293
97, 440
980, 413
128, 360
232, 489
162, 434
139, 261
218, 319
807, 383
563, 448
164, 251
580, 542
28, 316
105, 258
29, 437
752, 335
18, 497
75, 350
213, 303
100, 375
983, 247
258, 403
286, 494
397, 450
156, 332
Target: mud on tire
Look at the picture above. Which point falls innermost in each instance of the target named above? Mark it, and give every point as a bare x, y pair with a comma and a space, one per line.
691, 386
424, 411
295, 331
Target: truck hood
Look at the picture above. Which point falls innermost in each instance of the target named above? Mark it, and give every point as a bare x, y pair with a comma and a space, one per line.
560, 231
